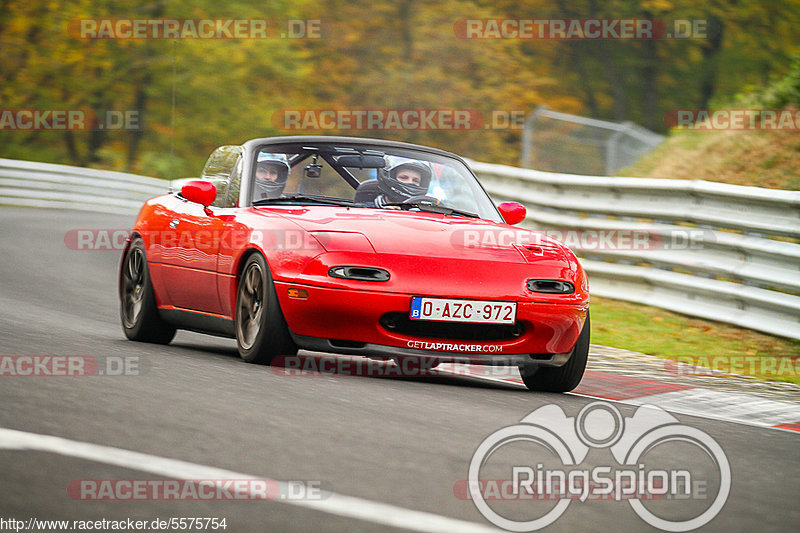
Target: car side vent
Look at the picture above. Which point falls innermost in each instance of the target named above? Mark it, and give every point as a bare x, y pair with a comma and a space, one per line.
530, 252
359, 273
536, 250
552, 286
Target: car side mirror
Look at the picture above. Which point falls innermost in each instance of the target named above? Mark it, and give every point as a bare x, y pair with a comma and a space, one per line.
200, 192
512, 212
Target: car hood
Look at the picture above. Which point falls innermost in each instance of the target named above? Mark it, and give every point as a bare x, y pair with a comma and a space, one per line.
426, 234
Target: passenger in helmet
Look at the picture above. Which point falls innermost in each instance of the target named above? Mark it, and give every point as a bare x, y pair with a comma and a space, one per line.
272, 171
401, 180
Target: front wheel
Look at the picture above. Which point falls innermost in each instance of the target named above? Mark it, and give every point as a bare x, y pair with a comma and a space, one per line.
261, 330
138, 311
563, 378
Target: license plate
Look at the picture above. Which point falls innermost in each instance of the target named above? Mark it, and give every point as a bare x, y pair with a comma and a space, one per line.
450, 310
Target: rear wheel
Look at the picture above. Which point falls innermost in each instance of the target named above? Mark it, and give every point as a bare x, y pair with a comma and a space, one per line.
261, 330
138, 311
563, 378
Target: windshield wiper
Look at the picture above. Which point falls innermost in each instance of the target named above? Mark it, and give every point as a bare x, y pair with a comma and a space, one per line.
430, 208
300, 198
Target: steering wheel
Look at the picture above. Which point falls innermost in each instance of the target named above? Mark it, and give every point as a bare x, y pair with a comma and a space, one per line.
421, 198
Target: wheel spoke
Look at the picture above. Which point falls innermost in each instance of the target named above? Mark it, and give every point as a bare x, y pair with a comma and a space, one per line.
133, 286
248, 282
253, 281
245, 301
245, 289
129, 273
249, 306
137, 266
250, 331
136, 308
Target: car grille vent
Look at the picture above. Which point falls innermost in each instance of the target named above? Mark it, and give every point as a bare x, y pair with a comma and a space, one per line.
359, 273
553, 286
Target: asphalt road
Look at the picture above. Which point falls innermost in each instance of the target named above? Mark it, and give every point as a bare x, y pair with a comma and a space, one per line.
402, 442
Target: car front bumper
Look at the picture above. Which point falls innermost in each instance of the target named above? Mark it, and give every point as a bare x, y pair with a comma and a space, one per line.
349, 321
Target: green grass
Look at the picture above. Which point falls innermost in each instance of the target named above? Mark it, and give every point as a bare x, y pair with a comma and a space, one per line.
694, 341
760, 158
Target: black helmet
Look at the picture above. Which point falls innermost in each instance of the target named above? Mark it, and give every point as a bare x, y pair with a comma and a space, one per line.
397, 191
271, 189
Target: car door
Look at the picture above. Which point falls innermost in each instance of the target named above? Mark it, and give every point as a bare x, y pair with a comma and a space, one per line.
189, 257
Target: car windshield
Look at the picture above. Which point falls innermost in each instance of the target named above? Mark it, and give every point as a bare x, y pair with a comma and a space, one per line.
367, 176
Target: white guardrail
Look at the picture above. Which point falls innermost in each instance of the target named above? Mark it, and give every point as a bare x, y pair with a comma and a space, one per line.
722, 252
27, 183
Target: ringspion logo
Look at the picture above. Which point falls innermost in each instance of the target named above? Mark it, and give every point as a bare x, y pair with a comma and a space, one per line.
650, 451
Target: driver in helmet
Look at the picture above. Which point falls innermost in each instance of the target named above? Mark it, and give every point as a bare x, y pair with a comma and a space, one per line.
401, 180
272, 171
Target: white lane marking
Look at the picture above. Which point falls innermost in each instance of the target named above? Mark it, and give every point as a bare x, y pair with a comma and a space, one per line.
337, 504
704, 403
744, 408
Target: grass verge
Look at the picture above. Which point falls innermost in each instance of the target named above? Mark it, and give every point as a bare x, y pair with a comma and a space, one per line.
694, 341
768, 159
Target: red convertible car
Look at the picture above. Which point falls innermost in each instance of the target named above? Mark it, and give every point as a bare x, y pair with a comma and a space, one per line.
355, 246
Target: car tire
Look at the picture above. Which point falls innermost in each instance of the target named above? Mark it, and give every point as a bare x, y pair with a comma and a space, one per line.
563, 378
261, 330
138, 312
